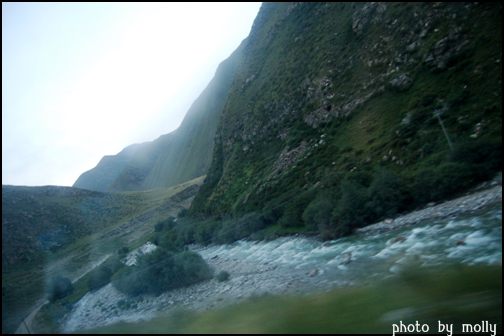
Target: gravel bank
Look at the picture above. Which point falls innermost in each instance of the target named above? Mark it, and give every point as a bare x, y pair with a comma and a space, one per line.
456, 207
247, 279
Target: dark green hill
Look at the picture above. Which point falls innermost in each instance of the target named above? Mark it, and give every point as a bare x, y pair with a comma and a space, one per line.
185, 153
106, 171
133, 175
349, 92
63, 230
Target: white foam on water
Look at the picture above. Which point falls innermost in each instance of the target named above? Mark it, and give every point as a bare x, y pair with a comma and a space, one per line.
389, 252
491, 259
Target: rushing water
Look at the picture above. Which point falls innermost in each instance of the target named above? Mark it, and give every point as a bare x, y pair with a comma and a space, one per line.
472, 239
258, 267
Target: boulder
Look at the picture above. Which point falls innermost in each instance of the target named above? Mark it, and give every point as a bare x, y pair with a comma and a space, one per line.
402, 83
398, 240
347, 259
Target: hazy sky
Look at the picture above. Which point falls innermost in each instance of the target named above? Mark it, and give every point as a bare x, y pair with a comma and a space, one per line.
84, 80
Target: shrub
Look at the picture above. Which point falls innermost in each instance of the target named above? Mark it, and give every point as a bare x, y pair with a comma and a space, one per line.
182, 213
170, 241
128, 280
159, 226
293, 215
385, 195
350, 212
99, 277
113, 264
421, 186
318, 213
191, 267
227, 234
161, 271
485, 152
123, 251
166, 224
58, 287
222, 276
450, 178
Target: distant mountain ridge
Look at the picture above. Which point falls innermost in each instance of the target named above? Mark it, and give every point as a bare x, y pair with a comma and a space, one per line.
173, 158
106, 171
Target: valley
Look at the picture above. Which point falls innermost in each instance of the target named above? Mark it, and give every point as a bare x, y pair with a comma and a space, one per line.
298, 266
100, 224
342, 155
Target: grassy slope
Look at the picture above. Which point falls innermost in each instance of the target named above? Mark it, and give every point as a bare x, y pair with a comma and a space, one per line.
292, 53
88, 226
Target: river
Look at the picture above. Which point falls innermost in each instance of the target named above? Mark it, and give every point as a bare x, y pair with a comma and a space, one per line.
302, 265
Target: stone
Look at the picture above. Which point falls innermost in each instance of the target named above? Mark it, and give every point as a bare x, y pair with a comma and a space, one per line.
398, 240
347, 259
402, 82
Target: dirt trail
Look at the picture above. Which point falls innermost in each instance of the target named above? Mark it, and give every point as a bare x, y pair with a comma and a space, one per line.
28, 322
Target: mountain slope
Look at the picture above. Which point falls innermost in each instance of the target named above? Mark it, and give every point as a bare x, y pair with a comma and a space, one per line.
185, 153
133, 175
61, 229
330, 91
106, 171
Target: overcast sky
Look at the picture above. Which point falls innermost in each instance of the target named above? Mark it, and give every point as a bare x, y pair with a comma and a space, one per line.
84, 80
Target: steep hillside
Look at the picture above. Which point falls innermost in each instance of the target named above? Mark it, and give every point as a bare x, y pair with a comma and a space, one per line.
66, 230
185, 153
345, 100
133, 175
106, 171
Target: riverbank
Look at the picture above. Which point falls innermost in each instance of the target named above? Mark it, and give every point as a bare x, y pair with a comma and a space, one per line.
457, 207
259, 268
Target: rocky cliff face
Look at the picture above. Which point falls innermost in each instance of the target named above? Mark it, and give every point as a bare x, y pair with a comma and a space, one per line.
338, 87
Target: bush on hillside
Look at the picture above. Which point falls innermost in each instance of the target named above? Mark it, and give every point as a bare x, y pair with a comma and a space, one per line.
160, 271
101, 275
222, 276
123, 251
451, 178
487, 152
384, 195
129, 281
98, 278
350, 212
293, 214
58, 287
317, 214
165, 225
182, 213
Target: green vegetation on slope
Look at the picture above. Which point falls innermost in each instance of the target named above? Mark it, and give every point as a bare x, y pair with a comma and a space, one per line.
50, 231
341, 100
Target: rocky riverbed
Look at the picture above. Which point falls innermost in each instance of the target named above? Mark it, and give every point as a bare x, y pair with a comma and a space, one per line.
108, 306
470, 203
299, 265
